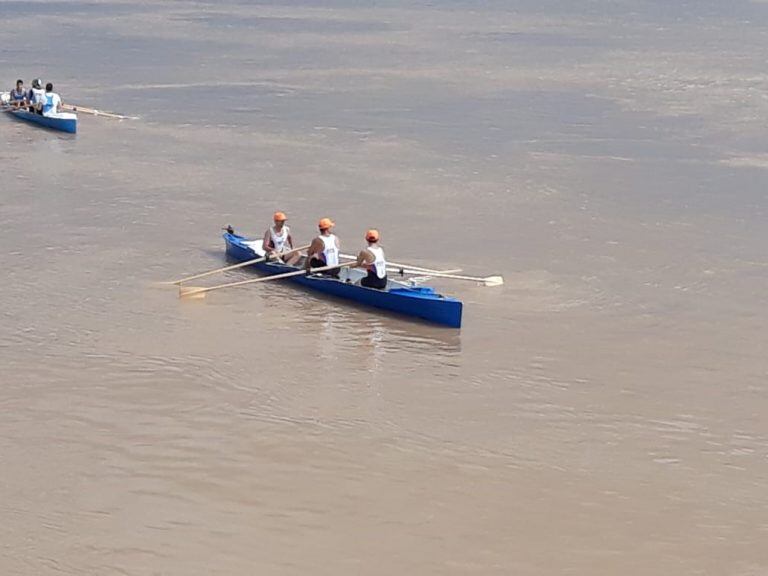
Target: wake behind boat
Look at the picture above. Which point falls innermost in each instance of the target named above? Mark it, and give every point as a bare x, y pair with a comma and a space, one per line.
414, 301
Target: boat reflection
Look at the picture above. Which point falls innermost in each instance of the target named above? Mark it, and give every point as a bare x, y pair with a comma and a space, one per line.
377, 344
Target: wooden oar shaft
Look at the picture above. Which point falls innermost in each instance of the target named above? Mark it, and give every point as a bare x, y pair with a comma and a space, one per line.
264, 279
84, 110
399, 269
235, 266
488, 280
397, 265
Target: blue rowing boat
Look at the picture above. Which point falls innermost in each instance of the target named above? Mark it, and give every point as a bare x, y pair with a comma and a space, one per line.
414, 301
63, 121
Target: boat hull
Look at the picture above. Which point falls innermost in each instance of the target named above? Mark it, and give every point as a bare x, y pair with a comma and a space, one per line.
63, 122
417, 302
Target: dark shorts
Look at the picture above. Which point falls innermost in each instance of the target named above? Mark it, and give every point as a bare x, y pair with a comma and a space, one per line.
373, 281
317, 263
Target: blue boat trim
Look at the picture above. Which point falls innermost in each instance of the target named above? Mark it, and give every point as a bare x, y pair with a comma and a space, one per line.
418, 301
67, 123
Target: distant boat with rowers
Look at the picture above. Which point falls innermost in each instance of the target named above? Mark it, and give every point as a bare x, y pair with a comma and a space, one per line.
408, 300
61, 121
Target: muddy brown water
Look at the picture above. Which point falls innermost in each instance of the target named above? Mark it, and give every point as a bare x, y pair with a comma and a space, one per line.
604, 412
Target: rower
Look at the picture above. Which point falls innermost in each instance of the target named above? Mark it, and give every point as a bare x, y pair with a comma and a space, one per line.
372, 259
51, 101
18, 94
278, 240
36, 96
324, 250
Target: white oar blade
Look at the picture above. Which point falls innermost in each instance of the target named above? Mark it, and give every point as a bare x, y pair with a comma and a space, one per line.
191, 292
487, 281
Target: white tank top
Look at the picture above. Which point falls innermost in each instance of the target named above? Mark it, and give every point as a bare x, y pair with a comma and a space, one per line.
279, 243
330, 251
38, 95
379, 264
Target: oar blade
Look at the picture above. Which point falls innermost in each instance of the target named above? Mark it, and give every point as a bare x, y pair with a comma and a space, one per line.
493, 281
191, 292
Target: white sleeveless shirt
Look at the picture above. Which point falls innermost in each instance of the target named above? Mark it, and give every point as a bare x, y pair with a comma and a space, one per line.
51, 103
379, 264
330, 250
280, 243
38, 96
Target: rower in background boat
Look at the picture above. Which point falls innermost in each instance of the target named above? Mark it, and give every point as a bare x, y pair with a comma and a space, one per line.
278, 240
51, 105
372, 259
324, 250
36, 96
18, 96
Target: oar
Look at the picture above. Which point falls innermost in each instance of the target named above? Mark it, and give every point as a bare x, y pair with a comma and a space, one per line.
10, 105
200, 292
412, 270
487, 281
84, 110
235, 266
408, 266
7, 102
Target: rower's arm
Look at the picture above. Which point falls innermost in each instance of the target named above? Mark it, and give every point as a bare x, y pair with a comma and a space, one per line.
364, 258
266, 243
315, 248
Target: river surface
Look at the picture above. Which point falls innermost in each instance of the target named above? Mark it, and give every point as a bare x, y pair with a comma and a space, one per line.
604, 412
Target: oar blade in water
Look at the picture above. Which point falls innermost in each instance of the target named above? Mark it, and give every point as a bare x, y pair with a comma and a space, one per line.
487, 281
493, 281
191, 292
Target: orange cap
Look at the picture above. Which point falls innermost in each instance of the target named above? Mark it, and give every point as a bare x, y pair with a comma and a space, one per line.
372, 235
325, 223
279, 217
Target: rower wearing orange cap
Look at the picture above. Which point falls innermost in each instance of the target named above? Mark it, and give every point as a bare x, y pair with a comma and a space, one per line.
324, 250
372, 259
278, 240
